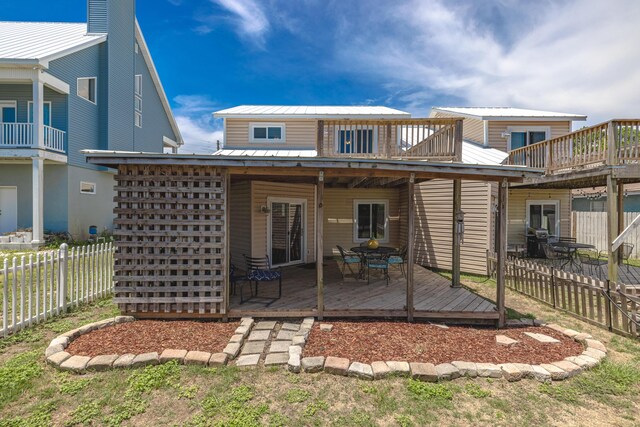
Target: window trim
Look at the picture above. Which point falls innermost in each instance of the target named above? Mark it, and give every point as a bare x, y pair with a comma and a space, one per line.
267, 125
5, 103
93, 184
374, 147
356, 203
30, 112
511, 129
96, 89
555, 202
135, 91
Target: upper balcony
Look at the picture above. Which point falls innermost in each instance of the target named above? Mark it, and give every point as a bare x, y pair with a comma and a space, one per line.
435, 139
21, 135
613, 143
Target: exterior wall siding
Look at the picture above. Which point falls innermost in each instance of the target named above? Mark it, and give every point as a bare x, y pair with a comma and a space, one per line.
89, 209
496, 140
240, 222
23, 93
299, 133
472, 129
517, 211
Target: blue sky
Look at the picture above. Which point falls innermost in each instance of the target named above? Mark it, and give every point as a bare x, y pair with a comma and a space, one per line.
577, 56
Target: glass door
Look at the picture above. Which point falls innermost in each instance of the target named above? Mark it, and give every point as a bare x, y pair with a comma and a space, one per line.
287, 236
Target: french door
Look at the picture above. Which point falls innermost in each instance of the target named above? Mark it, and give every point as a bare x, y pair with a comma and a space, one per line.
286, 231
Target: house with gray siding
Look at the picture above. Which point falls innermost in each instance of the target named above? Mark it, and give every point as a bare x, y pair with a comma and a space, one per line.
67, 87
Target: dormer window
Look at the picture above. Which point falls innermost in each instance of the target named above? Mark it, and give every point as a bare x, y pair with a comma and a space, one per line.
267, 132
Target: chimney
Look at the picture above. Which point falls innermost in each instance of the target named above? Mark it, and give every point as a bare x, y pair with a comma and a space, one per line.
97, 17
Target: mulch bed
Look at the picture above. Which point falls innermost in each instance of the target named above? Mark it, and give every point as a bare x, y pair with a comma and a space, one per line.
367, 342
145, 336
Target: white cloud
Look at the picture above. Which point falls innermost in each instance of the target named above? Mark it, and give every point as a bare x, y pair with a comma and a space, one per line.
199, 130
248, 17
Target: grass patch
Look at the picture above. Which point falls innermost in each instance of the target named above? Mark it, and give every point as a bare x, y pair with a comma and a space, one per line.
24, 336
476, 391
296, 395
17, 375
71, 386
40, 417
234, 410
84, 414
431, 391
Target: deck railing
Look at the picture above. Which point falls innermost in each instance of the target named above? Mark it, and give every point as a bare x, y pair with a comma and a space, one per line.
432, 139
20, 135
583, 149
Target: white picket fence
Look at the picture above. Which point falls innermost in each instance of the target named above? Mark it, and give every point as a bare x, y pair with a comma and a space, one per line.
38, 287
591, 228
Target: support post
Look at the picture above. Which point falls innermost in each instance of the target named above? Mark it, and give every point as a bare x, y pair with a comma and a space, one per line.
503, 190
620, 208
227, 244
411, 211
320, 244
320, 139
38, 112
37, 186
455, 233
612, 228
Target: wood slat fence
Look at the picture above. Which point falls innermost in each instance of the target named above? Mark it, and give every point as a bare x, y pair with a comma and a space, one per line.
591, 228
39, 286
589, 299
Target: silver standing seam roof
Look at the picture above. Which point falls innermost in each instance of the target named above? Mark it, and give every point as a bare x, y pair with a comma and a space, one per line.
508, 113
311, 112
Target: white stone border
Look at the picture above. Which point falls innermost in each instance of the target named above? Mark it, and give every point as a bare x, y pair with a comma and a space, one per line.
570, 366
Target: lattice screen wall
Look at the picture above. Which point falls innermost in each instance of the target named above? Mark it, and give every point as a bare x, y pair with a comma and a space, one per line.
170, 239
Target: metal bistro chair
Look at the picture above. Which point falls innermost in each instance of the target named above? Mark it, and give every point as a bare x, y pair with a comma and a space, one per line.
349, 258
626, 249
259, 270
400, 259
591, 259
377, 262
555, 258
568, 240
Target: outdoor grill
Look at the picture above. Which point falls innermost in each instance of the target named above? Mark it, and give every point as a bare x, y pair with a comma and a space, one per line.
535, 238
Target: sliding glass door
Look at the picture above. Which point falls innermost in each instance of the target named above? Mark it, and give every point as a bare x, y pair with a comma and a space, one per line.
287, 231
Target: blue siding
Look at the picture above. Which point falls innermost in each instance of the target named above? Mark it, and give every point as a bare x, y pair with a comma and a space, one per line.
22, 93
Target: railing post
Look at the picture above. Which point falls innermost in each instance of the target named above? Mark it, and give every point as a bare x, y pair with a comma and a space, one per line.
64, 276
553, 287
457, 143
608, 307
549, 159
612, 157
320, 139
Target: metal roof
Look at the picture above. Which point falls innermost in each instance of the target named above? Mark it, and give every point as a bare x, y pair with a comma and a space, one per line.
275, 152
476, 154
508, 113
311, 112
42, 41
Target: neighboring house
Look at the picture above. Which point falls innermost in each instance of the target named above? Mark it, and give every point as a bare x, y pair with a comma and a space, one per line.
594, 199
67, 87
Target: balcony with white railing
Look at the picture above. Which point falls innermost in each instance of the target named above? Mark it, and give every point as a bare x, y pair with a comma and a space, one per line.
21, 135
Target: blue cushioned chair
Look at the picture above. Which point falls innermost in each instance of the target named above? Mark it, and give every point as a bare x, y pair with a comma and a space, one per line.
399, 258
377, 262
348, 259
259, 270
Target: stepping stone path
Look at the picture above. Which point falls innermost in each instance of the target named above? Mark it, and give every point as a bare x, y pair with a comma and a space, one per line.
505, 340
542, 338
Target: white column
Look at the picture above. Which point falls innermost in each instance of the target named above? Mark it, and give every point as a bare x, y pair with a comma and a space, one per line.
38, 200
38, 111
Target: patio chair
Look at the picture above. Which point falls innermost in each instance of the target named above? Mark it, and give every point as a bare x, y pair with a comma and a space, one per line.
566, 239
399, 258
592, 260
377, 262
349, 258
556, 258
626, 249
258, 271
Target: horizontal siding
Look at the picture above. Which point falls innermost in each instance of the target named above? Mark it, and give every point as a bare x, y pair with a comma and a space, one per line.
472, 129
517, 211
339, 216
260, 192
240, 222
22, 94
298, 133
496, 140
433, 238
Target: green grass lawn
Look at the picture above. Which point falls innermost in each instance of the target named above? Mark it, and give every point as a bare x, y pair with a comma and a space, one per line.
34, 394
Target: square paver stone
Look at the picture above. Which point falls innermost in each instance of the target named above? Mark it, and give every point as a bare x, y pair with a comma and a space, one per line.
197, 358
58, 358
102, 362
254, 347
399, 368
284, 335
360, 370
276, 359
542, 338
124, 361
145, 359
380, 370
279, 347
313, 364
248, 360
505, 340
232, 349
424, 371
260, 335
172, 354
218, 359
236, 338
265, 324
290, 326
75, 363
336, 365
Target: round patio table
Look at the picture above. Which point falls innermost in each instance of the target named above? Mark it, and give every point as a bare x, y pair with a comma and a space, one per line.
384, 250
572, 249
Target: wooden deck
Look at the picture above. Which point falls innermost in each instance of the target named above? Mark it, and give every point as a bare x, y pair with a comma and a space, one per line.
434, 297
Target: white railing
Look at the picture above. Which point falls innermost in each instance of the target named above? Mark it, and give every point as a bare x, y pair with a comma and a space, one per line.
20, 135
40, 286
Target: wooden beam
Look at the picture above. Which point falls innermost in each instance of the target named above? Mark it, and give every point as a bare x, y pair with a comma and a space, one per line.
620, 207
387, 140
227, 247
455, 233
320, 243
356, 182
612, 227
410, 239
622, 236
503, 191
320, 139
458, 141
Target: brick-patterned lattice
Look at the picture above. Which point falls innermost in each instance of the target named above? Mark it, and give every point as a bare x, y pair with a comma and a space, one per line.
170, 239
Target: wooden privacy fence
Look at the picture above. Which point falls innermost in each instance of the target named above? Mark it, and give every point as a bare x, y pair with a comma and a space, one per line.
591, 228
39, 286
594, 301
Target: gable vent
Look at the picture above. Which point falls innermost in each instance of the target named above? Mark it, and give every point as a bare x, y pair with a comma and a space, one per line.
97, 16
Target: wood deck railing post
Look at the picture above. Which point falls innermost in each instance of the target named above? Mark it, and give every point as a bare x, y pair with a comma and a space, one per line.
320, 139
410, 248
612, 157
503, 190
607, 306
387, 141
549, 158
457, 145
320, 244
620, 210
612, 227
553, 287
456, 234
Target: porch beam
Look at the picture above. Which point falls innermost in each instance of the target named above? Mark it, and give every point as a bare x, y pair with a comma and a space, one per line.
356, 182
320, 243
612, 227
503, 191
456, 234
410, 249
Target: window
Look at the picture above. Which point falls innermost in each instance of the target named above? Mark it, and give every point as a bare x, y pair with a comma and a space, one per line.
266, 132
87, 187
87, 88
371, 220
46, 108
8, 111
544, 214
356, 141
137, 115
521, 137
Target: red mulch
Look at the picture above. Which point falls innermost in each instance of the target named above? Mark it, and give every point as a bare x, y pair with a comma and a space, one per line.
367, 342
145, 336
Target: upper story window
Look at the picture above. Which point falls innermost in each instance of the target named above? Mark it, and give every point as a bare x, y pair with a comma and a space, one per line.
87, 88
356, 141
521, 137
137, 115
267, 132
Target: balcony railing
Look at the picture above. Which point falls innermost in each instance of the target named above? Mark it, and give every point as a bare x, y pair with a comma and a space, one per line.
432, 139
583, 149
20, 135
